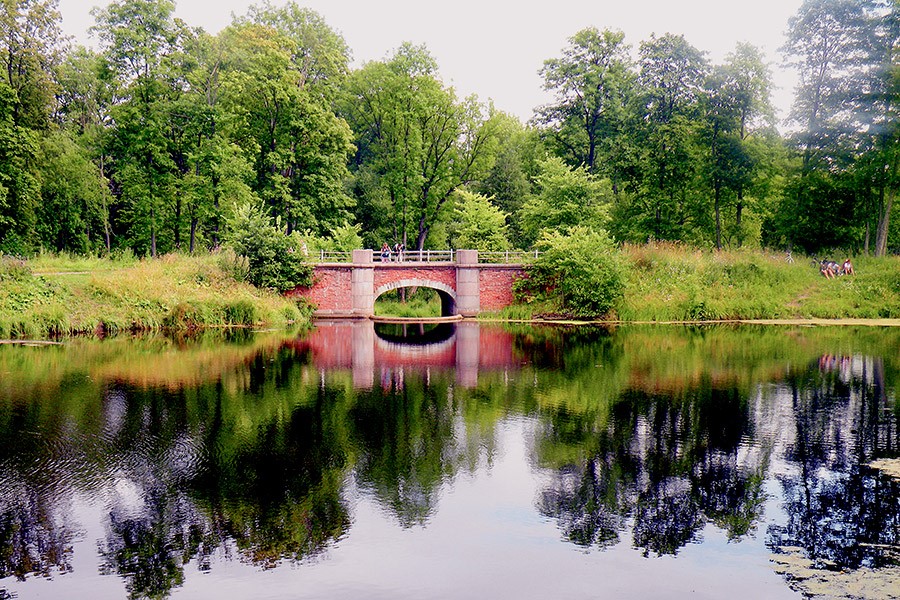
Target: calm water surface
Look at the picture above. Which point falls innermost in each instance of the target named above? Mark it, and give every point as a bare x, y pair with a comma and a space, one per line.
467, 461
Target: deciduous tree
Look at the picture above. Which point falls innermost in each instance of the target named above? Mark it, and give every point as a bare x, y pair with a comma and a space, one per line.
416, 143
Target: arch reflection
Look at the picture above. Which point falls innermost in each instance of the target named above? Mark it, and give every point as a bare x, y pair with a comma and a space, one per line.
386, 353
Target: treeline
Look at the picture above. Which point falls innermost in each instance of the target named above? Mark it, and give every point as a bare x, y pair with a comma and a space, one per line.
168, 138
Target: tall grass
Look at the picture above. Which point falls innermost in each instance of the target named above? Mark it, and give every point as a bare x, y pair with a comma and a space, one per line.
670, 282
673, 282
52, 296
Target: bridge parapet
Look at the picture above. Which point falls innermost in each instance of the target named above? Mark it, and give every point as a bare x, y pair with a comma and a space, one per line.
467, 285
503, 257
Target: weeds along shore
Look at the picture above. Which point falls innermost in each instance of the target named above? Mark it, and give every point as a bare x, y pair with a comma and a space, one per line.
50, 296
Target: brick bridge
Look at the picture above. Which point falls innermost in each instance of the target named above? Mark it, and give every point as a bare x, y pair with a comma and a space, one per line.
465, 286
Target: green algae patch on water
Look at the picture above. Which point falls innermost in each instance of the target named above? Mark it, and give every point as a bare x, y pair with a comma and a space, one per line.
822, 580
890, 466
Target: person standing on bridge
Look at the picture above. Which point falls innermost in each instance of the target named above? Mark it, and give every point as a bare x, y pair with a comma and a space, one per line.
385, 252
399, 247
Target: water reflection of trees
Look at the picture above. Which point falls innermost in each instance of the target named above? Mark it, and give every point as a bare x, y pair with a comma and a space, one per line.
254, 462
35, 478
667, 464
32, 542
406, 446
839, 511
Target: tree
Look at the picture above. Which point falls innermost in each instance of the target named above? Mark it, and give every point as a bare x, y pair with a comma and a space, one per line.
74, 206
883, 119
299, 145
320, 55
844, 51
477, 224
736, 106
416, 144
671, 79
19, 188
593, 83
747, 82
30, 39
143, 46
514, 161
29, 45
824, 45
565, 198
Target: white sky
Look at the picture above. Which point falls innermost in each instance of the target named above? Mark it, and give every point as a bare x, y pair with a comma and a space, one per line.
494, 48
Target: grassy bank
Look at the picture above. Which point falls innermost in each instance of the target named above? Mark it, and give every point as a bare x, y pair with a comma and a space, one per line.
670, 282
50, 296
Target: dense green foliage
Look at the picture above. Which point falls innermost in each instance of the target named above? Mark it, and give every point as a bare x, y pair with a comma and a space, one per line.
579, 272
275, 260
154, 142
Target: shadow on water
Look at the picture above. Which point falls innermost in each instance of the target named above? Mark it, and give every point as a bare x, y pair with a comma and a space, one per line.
415, 333
259, 448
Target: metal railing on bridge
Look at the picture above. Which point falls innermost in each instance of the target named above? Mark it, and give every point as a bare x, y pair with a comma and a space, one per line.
506, 257
430, 256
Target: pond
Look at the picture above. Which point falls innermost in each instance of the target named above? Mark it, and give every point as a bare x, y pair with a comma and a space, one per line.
464, 460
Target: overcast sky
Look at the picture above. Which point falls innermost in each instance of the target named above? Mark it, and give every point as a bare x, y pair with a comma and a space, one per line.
494, 48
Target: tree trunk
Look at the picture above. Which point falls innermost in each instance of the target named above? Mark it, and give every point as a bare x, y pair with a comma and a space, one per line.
881, 234
193, 233
152, 234
177, 225
423, 233
886, 197
718, 219
868, 236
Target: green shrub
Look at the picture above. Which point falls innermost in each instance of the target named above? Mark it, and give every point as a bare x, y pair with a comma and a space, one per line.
274, 260
580, 272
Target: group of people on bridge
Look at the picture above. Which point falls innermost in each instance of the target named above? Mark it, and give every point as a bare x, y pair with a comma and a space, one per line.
389, 253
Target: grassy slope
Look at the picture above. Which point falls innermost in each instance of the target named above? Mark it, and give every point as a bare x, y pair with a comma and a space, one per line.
49, 296
671, 282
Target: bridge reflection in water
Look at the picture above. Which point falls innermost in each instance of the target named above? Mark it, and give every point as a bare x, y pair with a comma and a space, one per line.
387, 352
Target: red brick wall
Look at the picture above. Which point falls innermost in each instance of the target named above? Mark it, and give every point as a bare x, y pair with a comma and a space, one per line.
389, 274
331, 290
496, 286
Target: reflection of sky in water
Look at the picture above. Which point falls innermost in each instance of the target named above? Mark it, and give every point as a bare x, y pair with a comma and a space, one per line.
485, 540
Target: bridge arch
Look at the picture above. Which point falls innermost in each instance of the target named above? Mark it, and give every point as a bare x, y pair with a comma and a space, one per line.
446, 293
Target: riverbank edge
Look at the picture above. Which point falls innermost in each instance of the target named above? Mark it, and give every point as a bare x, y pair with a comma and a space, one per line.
790, 322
